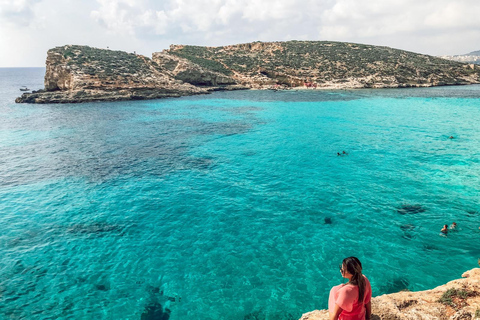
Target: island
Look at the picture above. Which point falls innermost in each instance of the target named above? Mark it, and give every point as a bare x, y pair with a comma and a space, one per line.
84, 74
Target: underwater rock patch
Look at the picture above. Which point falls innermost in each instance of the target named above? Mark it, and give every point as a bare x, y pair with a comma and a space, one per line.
255, 315
395, 285
429, 247
328, 220
102, 287
95, 228
407, 227
201, 163
408, 236
249, 153
154, 290
410, 209
154, 311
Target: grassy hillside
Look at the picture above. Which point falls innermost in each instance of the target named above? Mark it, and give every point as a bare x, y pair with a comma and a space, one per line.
321, 61
103, 63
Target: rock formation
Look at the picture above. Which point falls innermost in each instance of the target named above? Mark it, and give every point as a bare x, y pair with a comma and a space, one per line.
184, 70
457, 300
327, 64
81, 73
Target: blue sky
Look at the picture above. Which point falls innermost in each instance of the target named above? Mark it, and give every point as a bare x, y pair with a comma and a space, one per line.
28, 28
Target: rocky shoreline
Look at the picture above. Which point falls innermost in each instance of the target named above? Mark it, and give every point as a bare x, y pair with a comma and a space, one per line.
85, 74
456, 300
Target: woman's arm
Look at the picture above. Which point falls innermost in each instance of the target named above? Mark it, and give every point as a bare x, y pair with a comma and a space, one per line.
368, 312
336, 312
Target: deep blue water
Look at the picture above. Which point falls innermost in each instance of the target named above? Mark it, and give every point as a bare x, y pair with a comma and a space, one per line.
232, 205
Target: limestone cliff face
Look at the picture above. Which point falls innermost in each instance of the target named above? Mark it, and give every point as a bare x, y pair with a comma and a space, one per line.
327, 64
184, 70
457, 300
57, 74
80, 74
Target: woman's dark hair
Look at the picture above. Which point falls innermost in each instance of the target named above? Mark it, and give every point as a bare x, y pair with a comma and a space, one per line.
354, 267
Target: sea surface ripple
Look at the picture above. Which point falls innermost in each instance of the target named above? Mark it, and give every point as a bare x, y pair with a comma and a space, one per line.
233, 205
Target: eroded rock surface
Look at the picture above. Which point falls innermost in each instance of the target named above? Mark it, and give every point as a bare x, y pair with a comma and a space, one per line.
83, 74
327, 64
464, 303
186, 71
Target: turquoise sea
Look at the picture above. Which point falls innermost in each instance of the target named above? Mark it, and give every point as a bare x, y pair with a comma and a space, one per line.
232, 205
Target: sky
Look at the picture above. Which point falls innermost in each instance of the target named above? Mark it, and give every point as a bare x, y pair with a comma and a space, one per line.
28, 28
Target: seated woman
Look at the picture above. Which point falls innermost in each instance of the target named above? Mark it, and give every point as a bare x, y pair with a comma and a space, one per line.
351, 301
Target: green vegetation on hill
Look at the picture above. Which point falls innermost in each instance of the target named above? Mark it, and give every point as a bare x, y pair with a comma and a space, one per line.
103, 63
204, 58
321, 61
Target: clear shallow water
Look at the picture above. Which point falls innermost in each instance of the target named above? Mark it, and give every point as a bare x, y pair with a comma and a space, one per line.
232, 205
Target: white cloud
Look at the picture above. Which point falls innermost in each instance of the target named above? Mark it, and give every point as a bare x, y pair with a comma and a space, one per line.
455, 14
207, 16
116, 15
17, 12
368, 19
426, 26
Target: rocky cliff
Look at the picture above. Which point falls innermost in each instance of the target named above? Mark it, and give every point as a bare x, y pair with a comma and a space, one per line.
457, 300
186, 71
327, 64
81, 73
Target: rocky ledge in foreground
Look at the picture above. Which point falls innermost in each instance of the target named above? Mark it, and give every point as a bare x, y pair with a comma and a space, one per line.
457, 300
81, 73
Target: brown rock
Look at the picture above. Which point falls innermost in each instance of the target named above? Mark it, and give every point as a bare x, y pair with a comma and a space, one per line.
424, 305
85, 74
186, 71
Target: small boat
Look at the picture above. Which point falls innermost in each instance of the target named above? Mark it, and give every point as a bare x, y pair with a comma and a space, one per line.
24, 89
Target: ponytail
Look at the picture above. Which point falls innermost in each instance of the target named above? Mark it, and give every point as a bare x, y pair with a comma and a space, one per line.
354, 267
360, 281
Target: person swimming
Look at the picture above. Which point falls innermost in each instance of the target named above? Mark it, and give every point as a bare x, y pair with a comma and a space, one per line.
453, 226
444, 229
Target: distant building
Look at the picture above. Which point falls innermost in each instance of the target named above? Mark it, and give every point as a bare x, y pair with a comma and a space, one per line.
472, 57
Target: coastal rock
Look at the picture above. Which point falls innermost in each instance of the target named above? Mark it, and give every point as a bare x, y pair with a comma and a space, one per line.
84, 74
326, 64
186, 71
458, 299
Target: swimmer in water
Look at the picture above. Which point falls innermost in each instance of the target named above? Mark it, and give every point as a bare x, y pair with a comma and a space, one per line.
444, 229
453, 226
